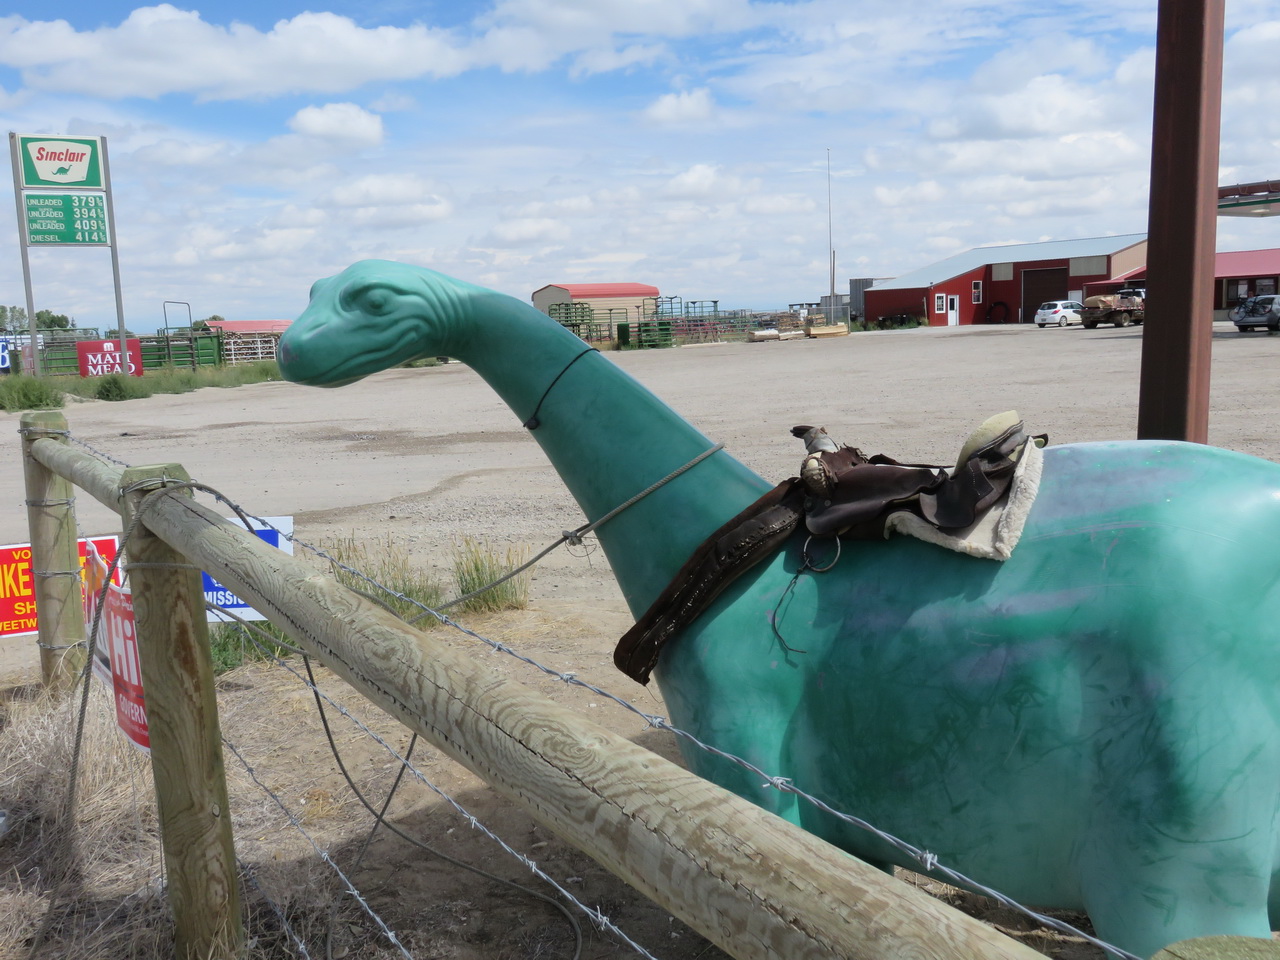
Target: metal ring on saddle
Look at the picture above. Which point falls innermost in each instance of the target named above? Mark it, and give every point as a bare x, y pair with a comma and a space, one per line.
809, 563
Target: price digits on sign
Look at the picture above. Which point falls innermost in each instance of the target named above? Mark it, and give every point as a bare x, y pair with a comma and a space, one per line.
89, 215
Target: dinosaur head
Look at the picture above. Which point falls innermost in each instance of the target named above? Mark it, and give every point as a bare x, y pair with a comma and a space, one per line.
373, 315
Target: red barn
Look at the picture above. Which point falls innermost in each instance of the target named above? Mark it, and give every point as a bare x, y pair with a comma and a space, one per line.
1005, 284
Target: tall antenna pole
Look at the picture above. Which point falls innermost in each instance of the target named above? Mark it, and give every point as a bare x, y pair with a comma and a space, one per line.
831, 250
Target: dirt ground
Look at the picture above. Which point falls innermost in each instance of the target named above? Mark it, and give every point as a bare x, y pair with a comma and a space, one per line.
429, 455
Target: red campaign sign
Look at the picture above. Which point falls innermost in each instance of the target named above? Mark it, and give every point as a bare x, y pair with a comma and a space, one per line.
100, 357
17, 588
115, 656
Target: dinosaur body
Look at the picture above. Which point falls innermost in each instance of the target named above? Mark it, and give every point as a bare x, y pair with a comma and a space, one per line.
1094, 723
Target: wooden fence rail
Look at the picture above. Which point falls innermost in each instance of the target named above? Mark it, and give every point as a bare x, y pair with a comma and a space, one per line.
745, 879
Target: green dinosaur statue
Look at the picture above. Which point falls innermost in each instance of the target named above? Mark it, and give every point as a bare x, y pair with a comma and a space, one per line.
1093, 723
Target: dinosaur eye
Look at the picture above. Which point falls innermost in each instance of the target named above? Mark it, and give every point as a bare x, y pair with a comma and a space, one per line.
376, 302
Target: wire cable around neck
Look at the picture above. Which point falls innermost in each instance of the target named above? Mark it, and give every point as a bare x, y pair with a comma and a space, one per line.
533, 422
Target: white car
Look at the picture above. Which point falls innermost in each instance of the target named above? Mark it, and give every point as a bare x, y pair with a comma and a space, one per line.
1058, 313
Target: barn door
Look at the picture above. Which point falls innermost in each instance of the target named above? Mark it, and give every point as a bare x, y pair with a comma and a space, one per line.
953, 310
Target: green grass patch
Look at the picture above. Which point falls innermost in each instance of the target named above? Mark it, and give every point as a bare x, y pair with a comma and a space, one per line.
233, 644
169, 379
117, 386
476, 565
18, 391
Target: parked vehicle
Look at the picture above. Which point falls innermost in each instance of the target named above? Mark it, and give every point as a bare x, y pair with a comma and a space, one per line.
1257, 312
1121, 308
1058, 313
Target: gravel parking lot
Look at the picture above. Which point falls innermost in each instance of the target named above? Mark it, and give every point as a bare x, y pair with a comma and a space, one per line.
426, 456
431, 454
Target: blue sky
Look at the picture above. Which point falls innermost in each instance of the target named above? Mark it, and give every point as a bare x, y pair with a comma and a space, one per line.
515, 143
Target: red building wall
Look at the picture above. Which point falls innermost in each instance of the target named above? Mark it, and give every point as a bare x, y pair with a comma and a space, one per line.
1000, 300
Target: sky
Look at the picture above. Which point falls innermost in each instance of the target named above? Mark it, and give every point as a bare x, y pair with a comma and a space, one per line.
717, 149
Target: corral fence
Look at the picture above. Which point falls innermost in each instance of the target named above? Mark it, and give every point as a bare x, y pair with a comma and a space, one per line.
667, 322
172, 347
750, 882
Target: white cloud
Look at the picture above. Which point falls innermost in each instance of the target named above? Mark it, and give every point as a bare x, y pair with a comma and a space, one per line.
338, 121
779, 205
923, 192
525, 230
377, 189
705, 181
161, 49
604, 59
686, 106
680, 142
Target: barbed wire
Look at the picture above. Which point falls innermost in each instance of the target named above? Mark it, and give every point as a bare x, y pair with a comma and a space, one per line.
929, 862
249, 872
296, 822
599, 919
87, 676
270, 643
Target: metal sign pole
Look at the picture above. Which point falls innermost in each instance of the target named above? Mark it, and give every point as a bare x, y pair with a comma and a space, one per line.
115, 256
16, 160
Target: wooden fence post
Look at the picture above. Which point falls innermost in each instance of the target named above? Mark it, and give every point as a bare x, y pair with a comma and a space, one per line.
182, 721
55, 561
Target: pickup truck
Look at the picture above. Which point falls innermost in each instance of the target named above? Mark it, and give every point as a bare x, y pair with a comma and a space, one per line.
1121, 308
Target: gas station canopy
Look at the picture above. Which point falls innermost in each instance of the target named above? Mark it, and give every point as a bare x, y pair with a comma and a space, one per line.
1250, 199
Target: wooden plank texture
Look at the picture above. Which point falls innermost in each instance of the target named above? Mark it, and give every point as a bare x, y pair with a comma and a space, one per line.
55, 560
186, 745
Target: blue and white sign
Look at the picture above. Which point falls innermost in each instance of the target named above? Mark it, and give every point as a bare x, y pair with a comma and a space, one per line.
5, 365
277, 534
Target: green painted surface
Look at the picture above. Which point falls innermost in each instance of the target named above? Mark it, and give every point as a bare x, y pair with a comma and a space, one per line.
1094, 723
69, 162
66, 218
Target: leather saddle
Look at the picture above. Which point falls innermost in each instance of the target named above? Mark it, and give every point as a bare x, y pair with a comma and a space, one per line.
840, 492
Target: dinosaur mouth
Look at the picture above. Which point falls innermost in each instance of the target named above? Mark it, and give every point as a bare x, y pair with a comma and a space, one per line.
315, 362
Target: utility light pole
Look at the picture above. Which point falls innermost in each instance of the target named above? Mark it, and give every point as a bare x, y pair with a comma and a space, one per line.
831, 250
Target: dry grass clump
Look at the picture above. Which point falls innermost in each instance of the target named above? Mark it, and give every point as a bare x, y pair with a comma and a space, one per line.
97, 892
386, 562
101, 878
477, 565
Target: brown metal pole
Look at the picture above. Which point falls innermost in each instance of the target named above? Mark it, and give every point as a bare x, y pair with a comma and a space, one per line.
1173, 400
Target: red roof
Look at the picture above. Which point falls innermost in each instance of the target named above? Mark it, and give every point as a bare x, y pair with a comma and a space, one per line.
251, 326
585, 291
1248, 263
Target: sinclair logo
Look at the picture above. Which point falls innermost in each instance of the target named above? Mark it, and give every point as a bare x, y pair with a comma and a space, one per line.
61, 162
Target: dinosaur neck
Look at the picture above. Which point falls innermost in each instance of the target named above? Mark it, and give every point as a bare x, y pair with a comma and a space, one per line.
609, 438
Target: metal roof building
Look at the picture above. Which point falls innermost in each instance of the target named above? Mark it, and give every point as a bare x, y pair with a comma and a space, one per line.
1237, 274
1005, 284
604, 299
251, 326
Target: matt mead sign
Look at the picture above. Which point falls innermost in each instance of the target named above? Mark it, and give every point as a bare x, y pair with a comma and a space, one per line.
97, 358
73, 163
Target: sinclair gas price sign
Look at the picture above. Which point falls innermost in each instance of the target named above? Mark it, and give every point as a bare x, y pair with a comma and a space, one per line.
62, 190
73, 167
